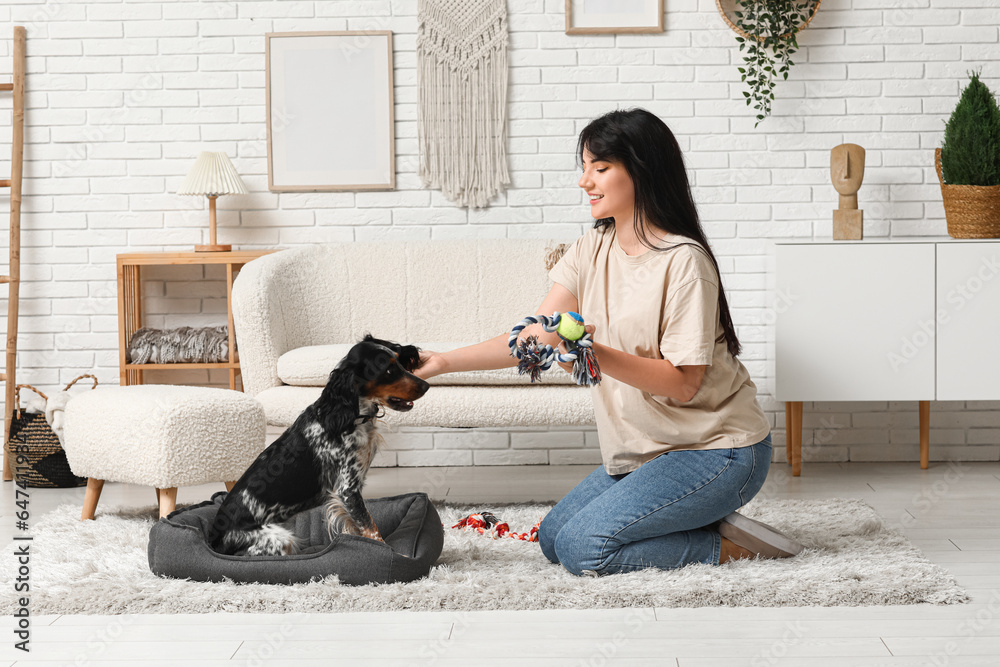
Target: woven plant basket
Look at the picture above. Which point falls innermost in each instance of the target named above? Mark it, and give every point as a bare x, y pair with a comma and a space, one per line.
36, 455
972, 211
727, 8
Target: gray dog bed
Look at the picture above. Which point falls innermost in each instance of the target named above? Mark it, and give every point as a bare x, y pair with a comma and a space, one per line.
409, 524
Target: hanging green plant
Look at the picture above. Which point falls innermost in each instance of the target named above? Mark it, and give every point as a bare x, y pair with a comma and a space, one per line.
766, 32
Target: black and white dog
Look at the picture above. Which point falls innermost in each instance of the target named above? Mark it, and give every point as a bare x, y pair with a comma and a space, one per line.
323, 457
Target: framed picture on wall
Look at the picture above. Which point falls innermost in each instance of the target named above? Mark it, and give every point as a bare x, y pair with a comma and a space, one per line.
592, 17
329, 111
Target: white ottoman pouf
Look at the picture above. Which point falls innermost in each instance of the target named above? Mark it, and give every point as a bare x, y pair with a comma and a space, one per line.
164, 436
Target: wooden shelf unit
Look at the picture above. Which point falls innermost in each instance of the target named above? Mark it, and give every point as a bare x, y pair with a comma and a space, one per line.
130, 305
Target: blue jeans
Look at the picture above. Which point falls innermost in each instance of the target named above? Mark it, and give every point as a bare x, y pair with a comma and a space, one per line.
658, 515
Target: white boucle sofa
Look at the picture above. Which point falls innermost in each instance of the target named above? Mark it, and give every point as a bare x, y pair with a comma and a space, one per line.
297, 312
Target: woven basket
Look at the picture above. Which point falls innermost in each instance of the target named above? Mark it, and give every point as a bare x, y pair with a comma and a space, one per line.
972, 211
727, 8
36, 455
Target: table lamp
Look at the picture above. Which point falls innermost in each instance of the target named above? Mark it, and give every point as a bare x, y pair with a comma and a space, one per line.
212, 175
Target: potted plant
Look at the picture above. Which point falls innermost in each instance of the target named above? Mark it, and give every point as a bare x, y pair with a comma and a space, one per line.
968, 164
766, 30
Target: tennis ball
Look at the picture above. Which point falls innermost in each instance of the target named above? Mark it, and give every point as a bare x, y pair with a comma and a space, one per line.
571, 326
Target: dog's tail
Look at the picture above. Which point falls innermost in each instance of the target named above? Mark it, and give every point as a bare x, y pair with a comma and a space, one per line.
338, 520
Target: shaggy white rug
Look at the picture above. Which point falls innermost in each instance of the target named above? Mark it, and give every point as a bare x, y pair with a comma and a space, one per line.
852, 558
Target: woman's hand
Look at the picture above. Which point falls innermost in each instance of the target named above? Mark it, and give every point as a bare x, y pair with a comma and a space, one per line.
568, 367
431, 364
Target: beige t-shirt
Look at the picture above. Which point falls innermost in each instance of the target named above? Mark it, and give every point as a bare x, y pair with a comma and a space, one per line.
660, 305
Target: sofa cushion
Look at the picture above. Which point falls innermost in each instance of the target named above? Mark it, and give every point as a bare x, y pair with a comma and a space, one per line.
459, 406
310, 367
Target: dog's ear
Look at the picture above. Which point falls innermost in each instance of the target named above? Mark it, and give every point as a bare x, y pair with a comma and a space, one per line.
338, 403
380, 341
409, 357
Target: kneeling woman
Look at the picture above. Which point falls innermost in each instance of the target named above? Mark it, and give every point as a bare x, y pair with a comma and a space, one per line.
683, 439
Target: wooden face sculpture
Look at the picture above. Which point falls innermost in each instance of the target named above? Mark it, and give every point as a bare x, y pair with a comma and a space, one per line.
847, 171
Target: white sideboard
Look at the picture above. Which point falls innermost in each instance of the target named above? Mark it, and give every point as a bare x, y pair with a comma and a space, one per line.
885, 321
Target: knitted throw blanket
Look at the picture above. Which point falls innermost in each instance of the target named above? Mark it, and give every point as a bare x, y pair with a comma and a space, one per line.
462, 105
182, 345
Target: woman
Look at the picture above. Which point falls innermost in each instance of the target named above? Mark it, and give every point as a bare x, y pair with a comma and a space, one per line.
683, 439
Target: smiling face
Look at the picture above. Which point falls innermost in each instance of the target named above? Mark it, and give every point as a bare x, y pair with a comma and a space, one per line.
609, 189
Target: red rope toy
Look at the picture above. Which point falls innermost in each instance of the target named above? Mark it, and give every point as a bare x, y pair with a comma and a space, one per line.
485, 523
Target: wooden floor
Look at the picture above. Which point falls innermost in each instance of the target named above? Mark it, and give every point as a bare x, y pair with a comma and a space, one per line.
949, 511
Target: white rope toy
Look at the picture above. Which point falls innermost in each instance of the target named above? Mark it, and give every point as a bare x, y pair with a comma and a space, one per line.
534, 357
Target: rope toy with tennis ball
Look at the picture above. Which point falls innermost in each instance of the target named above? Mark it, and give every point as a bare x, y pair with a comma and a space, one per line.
534, 357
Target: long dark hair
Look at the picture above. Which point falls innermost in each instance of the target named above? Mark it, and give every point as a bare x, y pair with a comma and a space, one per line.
645, 146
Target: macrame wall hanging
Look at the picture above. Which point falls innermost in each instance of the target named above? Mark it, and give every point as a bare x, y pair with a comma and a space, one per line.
462, 107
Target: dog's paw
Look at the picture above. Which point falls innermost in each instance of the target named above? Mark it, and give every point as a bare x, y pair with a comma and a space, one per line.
272, 540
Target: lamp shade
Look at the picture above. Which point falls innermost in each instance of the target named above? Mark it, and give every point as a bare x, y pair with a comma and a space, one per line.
213, 174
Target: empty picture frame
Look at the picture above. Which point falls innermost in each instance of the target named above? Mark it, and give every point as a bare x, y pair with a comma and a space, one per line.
594, 17
329, 111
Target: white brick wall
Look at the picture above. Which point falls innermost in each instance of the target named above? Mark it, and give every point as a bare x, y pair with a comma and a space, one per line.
123, 96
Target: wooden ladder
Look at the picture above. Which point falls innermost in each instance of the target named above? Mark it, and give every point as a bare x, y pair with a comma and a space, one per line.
13, 280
